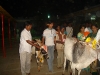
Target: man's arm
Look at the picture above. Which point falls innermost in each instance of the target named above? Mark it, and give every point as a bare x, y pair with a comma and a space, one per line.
43, 39
30, 42
55, 40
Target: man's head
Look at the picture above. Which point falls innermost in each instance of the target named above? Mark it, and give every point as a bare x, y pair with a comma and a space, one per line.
69, 24
94, 28
28, 25
50, 24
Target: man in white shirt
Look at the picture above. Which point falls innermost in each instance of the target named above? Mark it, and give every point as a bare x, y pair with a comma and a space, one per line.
25, 49
49, 35
69, 30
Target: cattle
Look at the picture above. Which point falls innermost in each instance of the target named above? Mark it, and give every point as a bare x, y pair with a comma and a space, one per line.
40, 53
80, 54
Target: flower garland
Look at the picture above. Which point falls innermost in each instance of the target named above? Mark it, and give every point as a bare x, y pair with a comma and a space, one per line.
93, 42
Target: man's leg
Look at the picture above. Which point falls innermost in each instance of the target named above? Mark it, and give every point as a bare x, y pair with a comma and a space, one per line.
28, 62
58, 58
51, 57
62, 58
22, 62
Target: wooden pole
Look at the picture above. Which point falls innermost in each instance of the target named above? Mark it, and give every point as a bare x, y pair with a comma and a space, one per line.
9, 33
3, 47
14, 30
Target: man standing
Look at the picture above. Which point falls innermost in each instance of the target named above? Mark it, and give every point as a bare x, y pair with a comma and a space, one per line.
69, 30
25, 49
49, 35
60, 38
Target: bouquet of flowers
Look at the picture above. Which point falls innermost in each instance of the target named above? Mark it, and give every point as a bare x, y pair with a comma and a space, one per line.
92, 41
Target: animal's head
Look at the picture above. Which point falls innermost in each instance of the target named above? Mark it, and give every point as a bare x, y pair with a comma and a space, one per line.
74, 40
69, 42
39, 41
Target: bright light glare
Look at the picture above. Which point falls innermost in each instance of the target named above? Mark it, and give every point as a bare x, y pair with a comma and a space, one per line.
93, 17
48, 16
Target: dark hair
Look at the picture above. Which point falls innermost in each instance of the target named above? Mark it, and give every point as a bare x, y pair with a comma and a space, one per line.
95, 25
27, 23
81, 27
62, 27
69, 24
57, 26
49, 22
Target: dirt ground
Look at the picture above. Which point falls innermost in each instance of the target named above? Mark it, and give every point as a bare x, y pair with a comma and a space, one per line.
10, 65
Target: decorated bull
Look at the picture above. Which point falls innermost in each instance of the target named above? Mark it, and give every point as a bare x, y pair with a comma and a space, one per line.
40, 53
80, 54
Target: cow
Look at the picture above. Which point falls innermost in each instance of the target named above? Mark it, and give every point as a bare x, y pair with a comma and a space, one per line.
80, 54
40, 53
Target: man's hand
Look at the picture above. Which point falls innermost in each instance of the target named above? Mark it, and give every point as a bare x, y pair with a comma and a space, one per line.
30, 42
60, 42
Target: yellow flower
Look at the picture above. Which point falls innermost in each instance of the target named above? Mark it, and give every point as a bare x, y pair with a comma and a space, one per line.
88, 40
94, 42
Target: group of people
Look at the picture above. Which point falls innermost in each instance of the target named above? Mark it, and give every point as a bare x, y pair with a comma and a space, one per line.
89, 32
52, 38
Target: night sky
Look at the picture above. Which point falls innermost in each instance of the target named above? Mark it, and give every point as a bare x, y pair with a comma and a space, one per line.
31, 8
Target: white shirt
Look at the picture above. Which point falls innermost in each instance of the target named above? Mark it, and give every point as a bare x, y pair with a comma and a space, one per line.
24, 46
98, 36
69, 31
49, 35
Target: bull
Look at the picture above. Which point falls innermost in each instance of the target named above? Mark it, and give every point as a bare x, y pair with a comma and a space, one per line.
40, 53
80, 55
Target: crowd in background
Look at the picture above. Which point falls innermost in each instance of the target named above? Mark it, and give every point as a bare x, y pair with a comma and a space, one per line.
54, 38
84, 31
